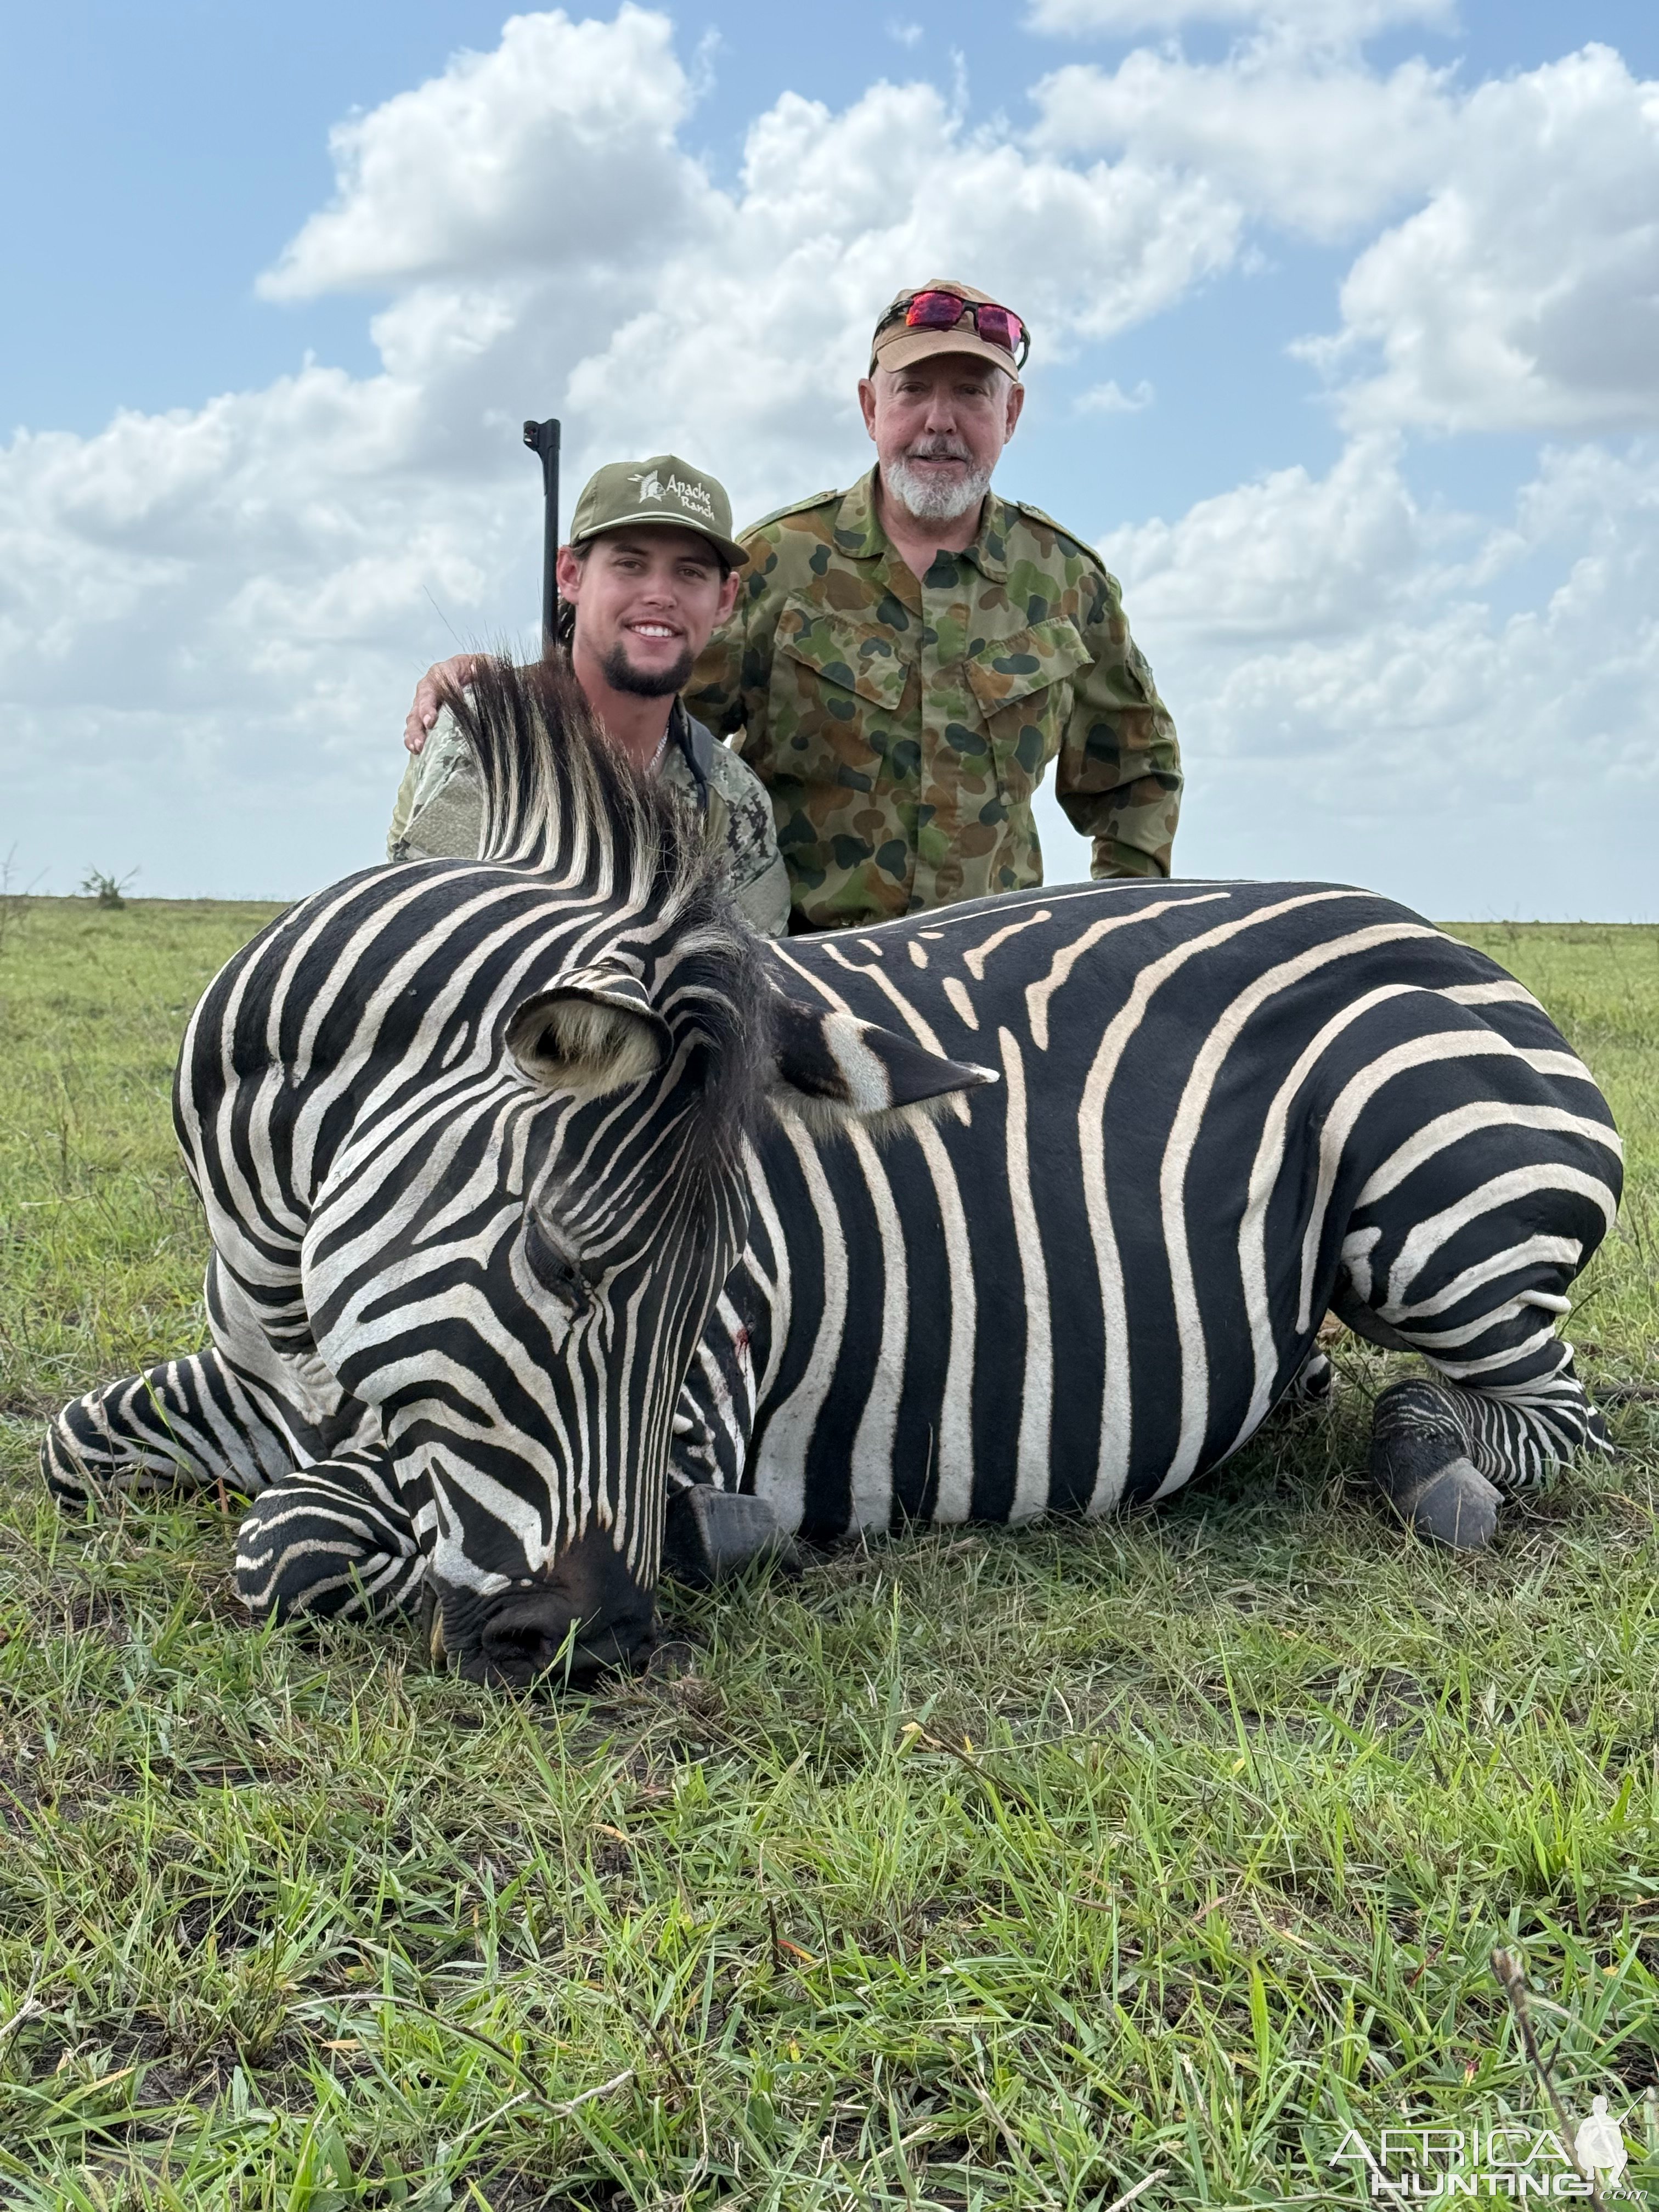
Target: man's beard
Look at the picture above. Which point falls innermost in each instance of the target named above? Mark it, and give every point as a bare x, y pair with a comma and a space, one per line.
935, 499
621, 674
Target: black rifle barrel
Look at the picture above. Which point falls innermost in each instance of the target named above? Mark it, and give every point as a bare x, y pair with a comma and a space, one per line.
543, 438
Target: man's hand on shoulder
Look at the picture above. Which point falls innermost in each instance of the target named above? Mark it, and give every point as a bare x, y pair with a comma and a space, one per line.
453, 675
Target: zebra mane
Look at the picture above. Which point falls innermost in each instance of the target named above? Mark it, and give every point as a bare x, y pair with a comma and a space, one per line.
565, 804
561, 800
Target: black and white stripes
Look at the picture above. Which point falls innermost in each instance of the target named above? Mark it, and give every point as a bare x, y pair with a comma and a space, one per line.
1223, 1108
541, 1194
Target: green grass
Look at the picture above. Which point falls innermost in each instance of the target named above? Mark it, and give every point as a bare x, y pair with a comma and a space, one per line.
998, 1871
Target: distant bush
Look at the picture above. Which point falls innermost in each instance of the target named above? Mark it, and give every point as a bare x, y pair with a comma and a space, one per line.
107, 890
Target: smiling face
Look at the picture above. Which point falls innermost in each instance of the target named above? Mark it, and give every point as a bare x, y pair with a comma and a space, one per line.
647, 599
939, 426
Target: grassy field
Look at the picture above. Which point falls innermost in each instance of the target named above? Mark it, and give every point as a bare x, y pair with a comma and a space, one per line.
999, 1871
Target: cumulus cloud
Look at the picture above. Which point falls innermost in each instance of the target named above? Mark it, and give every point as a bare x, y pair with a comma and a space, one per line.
1379, 690
496, 163
1322, 22
460, 197
1290, 555
1317, 143
1522, 291
213, 611
1111, 398
830, 206
1525, 295
210, 619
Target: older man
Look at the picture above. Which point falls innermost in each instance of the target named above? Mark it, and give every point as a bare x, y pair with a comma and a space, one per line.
906, 657
650, 568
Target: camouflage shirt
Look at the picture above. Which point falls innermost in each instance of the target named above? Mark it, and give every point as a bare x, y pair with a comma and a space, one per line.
439, 813
902, 726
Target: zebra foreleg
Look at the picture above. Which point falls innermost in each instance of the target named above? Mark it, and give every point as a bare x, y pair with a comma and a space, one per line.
184, 1425
242, 1413
333, 1541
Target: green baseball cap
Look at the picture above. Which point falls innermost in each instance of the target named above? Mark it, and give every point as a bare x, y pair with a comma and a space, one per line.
664, 489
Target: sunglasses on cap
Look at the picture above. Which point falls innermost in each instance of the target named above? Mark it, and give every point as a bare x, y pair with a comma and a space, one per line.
942, 310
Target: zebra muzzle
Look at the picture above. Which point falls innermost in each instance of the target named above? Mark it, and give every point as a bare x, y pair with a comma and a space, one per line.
586, 1617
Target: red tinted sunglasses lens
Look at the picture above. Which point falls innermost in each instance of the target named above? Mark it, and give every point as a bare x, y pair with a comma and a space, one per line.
999, 328
934, 311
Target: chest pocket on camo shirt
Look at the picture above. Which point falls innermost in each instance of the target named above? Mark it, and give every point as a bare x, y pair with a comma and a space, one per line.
1024, 687
837, 685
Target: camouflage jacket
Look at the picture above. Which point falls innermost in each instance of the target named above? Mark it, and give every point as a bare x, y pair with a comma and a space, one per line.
439, 813
901, 726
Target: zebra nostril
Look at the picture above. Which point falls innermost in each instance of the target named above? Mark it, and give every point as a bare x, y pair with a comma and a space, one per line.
591, 1616
529, 1635
536, 1634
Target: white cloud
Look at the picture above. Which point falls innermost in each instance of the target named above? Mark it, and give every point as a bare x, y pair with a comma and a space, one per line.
1324, 22
1288, 556
1525, 296
1317, 143
507, 274
496, 163
1111, 398
1522, 294
1371, 689
221, 609
833, 211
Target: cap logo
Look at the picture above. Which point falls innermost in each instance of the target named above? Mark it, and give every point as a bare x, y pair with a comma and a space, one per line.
694, 497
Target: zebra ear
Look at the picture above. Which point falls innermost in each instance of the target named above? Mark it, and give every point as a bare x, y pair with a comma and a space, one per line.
594, 1031
833, 1069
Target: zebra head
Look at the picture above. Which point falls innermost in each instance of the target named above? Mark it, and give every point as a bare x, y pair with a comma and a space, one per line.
520, 1243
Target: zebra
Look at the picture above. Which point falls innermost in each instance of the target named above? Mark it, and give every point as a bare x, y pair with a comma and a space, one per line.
562, 1231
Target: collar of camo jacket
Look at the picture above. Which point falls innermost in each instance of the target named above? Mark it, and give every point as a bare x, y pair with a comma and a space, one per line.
684, 758
860, 535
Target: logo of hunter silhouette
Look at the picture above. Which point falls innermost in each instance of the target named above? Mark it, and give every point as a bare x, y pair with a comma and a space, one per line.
693, 498
1600, 2143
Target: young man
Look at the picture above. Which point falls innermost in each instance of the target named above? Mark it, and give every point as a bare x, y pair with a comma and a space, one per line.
649, 571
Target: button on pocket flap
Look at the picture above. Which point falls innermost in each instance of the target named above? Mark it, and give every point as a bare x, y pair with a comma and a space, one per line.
1030, 660
858, 656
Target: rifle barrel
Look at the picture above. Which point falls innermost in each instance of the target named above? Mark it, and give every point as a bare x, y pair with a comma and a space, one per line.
543, 439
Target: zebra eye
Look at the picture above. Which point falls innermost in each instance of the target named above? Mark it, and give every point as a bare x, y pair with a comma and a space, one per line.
554, 1268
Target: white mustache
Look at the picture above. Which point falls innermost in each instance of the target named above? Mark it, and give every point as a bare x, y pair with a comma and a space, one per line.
938, 449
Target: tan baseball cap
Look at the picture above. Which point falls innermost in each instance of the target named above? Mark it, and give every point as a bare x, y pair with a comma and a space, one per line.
896, 346
664, 489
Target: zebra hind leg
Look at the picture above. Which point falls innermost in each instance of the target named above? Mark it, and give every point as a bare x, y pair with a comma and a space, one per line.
1444, 1455
330, 1542
1313, 1386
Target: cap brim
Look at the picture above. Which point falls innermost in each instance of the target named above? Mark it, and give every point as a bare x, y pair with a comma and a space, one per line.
905, 347
728, 546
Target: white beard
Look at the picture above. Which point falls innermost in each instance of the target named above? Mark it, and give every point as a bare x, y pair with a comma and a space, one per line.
931, 498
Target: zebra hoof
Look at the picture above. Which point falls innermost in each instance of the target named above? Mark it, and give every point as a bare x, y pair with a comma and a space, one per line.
1420, 1463
709, 1535
1455, 1505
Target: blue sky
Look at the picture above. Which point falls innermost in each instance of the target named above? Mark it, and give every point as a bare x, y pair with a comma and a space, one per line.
1331, 299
